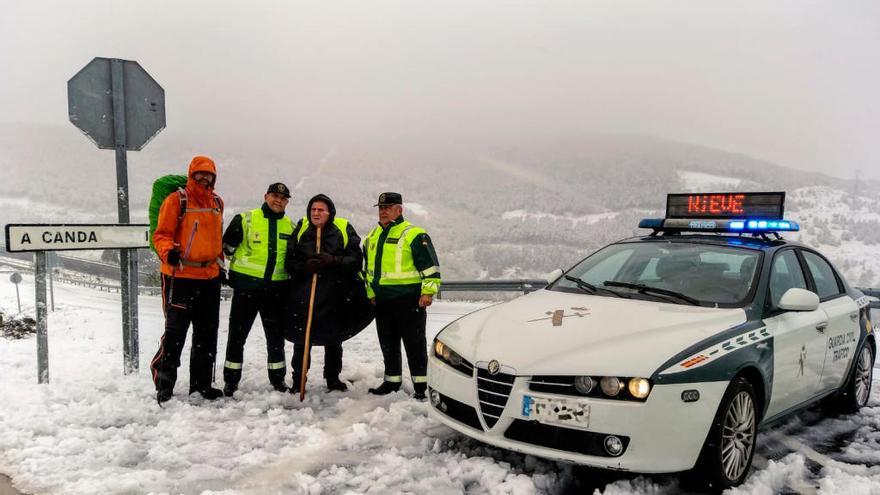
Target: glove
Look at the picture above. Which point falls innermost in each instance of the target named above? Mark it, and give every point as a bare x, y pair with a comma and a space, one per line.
173, 257
313, 265
327, 259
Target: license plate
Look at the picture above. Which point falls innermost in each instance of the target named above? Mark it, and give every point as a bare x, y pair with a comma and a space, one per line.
559, 411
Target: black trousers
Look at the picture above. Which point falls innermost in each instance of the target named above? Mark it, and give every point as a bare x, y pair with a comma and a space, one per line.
401, 319
188, 301
267, 301
332, 361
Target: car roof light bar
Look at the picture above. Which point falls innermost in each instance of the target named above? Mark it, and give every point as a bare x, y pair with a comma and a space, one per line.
734, 226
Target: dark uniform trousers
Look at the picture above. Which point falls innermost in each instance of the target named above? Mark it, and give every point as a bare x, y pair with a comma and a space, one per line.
193, 301
399, 319
332, 361
245, 305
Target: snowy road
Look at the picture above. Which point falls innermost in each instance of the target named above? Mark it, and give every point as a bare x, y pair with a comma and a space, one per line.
94, 430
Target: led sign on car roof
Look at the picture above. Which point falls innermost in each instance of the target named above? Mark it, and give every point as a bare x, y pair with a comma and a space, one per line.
726, 205
723, 212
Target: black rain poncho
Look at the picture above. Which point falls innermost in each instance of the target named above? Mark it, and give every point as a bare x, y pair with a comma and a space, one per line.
341, 308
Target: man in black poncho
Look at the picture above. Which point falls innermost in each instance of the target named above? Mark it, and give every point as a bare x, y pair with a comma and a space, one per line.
340, 307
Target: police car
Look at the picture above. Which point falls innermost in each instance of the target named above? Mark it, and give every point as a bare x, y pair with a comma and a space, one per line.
662, 353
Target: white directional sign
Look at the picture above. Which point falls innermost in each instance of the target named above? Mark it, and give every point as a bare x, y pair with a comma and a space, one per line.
68, 237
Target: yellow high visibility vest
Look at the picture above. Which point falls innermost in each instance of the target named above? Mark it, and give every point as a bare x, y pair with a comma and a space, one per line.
252, 255
397, 265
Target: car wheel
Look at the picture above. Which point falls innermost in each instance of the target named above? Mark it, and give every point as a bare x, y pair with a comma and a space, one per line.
857, 390
727, 454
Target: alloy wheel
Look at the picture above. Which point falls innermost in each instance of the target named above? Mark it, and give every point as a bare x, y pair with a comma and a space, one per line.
738, 436
863, 376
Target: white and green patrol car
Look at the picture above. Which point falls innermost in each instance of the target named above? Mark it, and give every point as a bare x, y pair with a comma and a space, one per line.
662, 353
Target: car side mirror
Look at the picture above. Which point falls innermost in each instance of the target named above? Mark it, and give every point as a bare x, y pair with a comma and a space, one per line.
796, 299
555, 274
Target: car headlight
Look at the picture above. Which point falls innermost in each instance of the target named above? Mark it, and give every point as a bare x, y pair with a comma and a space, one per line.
584, 384
611, 385
447, 355
639, 387
601, 387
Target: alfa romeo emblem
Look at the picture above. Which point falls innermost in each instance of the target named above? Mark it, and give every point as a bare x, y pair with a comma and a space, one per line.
494, 367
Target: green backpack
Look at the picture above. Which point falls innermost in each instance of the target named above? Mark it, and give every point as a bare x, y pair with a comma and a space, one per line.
162, 187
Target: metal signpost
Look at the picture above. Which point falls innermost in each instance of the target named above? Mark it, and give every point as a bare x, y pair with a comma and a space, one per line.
50, 263
15, 278
120, 107
43, 238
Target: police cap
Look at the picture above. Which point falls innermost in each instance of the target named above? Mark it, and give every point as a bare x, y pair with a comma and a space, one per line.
279, 188
389, 198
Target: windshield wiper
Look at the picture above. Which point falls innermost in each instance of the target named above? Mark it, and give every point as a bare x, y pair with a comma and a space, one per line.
592, 289
584, 286
643, 289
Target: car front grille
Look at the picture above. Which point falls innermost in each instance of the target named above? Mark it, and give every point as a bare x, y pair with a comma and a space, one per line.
563, 385
560, 438
493, 391
459, 411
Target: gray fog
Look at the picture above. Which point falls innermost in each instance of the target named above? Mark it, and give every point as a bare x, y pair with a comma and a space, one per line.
793, 82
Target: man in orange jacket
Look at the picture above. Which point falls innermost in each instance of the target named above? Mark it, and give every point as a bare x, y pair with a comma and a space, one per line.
188, 239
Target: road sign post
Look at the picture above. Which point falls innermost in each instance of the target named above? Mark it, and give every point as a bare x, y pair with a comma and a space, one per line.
123, 89
42, 239
42, 324
50, 263
15, 278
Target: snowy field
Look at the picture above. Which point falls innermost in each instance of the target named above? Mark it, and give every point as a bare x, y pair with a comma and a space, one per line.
93, 430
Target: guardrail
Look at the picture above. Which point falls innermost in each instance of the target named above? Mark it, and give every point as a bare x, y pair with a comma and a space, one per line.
525, 286
870, 292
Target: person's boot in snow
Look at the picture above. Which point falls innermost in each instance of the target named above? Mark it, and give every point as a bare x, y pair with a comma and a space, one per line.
386, 388
209, 393
164, 395
229, 389
419, 390
279, 386
294, 388
334, 383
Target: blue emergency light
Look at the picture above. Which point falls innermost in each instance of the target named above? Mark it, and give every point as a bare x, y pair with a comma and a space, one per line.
753, 213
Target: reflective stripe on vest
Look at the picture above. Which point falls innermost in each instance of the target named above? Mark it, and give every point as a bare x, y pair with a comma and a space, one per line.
340, 223
398, 269
252, 255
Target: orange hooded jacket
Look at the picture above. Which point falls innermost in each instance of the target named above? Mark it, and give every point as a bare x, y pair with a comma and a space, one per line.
202, 222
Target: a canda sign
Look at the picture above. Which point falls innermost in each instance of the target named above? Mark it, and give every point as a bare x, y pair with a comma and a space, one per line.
65, 237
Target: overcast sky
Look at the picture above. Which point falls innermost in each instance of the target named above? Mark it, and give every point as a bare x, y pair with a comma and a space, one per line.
795, 82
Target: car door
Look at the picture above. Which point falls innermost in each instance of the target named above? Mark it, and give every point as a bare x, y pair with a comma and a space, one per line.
798, 343
842, 332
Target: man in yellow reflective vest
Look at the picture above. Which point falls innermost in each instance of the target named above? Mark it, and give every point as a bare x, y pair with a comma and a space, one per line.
256, 241
402, 276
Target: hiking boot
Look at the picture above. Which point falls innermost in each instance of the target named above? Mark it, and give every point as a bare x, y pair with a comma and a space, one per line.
164, 395
386, 388
336, 384
229, 389
209, 393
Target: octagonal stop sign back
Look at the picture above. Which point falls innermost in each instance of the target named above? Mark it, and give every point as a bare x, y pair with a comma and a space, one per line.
90, 103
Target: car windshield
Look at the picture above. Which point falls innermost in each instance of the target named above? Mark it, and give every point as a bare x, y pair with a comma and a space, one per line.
675, 272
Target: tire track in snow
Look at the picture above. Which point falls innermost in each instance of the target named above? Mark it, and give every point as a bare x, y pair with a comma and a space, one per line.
313, 458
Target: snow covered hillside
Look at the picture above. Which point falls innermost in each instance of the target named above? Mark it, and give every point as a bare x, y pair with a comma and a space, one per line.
94, 430
521, 207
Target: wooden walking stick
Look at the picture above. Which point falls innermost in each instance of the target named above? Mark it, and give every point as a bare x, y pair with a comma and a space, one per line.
305, 363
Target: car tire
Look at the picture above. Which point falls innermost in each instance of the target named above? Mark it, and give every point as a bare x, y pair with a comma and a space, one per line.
726, 457
857, 388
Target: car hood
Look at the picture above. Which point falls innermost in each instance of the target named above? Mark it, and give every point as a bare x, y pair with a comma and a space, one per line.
591, 335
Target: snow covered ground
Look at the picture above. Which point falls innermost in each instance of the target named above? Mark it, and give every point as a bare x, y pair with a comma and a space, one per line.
94, 430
